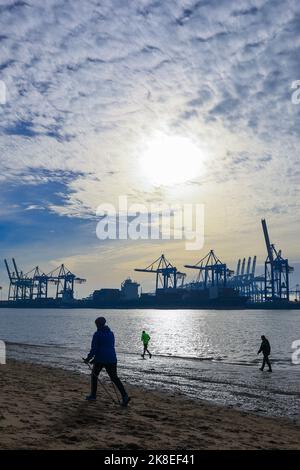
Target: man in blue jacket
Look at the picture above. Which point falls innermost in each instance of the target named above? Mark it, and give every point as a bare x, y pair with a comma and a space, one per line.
103, 354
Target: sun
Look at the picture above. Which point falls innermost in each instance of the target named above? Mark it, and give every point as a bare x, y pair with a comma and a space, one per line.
169, 160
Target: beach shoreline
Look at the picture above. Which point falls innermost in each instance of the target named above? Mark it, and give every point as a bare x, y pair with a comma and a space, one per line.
44, 408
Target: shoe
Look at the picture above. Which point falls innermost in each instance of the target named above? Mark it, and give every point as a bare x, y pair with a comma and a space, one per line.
125, 401
261, 369
143, 356
150, 355
90, 398
270, 370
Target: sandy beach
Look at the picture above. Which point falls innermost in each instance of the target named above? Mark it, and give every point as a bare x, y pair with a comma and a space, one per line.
44, 408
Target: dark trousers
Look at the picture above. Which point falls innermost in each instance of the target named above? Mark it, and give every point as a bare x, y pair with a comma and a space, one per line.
266, 361
146, 350
111, 369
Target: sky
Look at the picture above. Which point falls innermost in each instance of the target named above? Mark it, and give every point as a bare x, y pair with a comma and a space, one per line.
100, 96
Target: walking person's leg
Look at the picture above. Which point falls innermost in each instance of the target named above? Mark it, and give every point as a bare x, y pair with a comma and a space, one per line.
94, 378
268, 363
94, 381
150, 355
263, 363
111, 369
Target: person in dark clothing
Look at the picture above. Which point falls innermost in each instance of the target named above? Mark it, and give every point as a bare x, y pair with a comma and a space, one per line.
265, 348
103, 354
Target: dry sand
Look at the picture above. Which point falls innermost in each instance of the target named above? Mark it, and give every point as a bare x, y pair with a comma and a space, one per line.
43, 408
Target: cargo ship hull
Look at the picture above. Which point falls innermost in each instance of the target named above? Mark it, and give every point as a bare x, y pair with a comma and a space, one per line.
170, 299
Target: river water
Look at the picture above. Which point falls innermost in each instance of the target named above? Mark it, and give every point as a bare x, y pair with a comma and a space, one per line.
203, 354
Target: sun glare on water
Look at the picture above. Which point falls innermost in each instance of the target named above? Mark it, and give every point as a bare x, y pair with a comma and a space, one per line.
168, 160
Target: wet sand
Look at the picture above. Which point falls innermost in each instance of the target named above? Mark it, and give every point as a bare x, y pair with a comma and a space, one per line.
44, 408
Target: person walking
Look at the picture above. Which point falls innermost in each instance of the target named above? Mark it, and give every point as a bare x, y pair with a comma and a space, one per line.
265, 348
145, 339
103, 354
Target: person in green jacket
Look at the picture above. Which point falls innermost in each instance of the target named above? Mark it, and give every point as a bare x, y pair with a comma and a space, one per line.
145, 339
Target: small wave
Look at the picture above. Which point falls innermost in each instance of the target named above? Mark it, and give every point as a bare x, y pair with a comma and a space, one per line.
31, 345
171, 356
186, 358
216, 359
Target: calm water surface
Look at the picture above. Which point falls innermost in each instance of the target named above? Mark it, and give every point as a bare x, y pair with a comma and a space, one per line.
204, 354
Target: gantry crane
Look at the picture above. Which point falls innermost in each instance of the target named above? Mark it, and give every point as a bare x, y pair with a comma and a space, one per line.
64, 281
212, 272
247, 283
167, 275
40, 284
277, 271
34, 284
20, 285
13, 287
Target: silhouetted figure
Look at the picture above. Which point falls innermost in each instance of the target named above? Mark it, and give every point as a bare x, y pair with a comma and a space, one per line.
145, 339
265, 348
103, 354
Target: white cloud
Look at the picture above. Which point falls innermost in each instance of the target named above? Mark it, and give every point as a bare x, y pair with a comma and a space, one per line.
33, 207
89, 81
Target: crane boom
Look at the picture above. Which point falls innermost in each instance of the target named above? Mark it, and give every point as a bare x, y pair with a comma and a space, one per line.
16, 268
164, 271
254, 266
248, 267
8, 270
238, 268
267, 240
243, 267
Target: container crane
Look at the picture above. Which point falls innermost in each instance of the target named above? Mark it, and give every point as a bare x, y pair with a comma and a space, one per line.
20, 285
167, 275
64, 281
12, 291
40, 284
212, 272
277, 271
